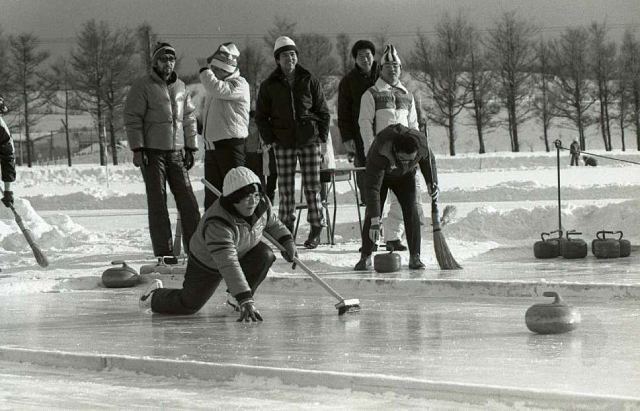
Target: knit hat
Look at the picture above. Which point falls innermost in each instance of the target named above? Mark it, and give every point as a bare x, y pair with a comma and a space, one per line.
225, 58
362, 45
161, 50
390, 55
237, 178
283, 44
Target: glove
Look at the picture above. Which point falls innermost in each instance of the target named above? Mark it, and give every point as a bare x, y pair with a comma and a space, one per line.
374, 230
7, 198
248, 310
189, 159
435, 192
290, 253
140, 158
350, 146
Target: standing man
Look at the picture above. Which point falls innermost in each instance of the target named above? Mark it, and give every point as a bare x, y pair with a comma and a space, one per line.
161, 129
392, 163
7, 157
574, 149
385, 103
225, 119
292, 114
350, 91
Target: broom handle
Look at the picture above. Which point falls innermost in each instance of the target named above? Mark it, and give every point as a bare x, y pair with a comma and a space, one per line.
281, 248
40, 257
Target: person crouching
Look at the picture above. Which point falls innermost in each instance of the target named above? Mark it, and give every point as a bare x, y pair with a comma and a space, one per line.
227, 247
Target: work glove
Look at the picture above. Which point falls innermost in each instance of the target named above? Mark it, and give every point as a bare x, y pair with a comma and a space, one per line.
290, 253
374, 230
249, 310
7, 198
435, 192
140, 158
189, 159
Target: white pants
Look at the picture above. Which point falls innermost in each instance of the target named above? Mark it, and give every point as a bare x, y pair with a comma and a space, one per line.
392, 221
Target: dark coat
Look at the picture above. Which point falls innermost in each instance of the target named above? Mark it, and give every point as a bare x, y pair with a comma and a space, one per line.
7, 154
295, 117
574, 148
381, 163
350, 91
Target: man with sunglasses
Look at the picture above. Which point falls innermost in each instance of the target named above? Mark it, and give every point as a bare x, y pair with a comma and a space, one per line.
227, 247
392, 164
7, 157
159, 117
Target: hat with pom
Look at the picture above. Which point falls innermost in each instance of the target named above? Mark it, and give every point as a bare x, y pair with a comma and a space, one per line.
390, 55
283, 44
225, 57
162, 49
238, 178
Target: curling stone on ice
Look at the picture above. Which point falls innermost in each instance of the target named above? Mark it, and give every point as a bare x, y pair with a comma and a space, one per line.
625, 245
554, 318
573, 248
548, 247
120, 277
387, 262
603, 247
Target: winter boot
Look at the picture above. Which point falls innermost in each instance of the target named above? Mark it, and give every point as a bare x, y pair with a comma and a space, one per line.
145, 298
314, 237
415, 263
169, 260
364, 264
232, 302
395, 245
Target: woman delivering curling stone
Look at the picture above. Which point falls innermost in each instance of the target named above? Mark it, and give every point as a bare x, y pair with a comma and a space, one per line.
227, 246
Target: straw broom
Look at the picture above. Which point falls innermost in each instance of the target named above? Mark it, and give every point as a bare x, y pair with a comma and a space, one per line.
40, 257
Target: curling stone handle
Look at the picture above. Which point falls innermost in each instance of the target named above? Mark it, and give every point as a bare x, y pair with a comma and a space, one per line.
572, 232
604, 234
552, 232
116, 262
558, 299
618, 232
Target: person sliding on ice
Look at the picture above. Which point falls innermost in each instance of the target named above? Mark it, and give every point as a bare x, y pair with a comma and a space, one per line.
161, 130
392, 163
388, 102
7, 157
227, 247
574, 149
292, 114
225, 119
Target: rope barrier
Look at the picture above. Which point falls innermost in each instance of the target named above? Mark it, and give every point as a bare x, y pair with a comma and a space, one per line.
559, 146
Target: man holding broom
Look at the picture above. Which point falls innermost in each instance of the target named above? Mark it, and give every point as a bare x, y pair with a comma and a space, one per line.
392, 162
7, 158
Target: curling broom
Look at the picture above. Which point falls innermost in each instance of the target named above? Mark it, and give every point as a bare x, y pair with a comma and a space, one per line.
40, 257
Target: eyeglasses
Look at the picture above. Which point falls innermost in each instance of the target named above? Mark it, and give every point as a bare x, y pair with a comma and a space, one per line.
250, 199
167, 58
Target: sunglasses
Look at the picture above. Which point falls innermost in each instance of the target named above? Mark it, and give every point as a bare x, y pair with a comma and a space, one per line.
166, 59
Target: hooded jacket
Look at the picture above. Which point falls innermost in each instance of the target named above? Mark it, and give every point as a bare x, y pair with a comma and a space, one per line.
226, 108
381, 164
350, 91
7, 154
160, 115
292, 117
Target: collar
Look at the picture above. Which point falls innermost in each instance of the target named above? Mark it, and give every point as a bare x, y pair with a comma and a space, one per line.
384, 86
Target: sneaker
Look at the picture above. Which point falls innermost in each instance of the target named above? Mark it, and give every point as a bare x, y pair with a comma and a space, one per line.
145, 298
396, 245
364, 264
314, 237
415, 263
232, 302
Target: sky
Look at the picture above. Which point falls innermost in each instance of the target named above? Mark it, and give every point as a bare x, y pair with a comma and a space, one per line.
197, 27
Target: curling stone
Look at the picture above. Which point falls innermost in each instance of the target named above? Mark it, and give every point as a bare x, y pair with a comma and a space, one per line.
555, 318
573, 248
547, 248
603, 247
625, 246
387, 262
120, 277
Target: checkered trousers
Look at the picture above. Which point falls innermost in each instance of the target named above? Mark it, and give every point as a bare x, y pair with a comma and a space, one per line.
286, 160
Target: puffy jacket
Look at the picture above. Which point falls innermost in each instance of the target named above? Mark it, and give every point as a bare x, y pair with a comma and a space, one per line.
350, 91
7, 154
381, 164
383, 105
290, 117
223, 237
159, 114
226, 108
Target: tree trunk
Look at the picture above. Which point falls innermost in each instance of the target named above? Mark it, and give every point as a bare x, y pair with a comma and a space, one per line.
514, 125
452, 136
27, 135
482, 148
112, 132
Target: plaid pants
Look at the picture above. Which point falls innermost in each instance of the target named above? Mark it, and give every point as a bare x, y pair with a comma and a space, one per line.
286, 160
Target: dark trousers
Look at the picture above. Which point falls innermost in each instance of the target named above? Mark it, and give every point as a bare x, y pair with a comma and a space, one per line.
168, 167
360, 160
200, 282
217, 164
405, 189
575, 159
253, 162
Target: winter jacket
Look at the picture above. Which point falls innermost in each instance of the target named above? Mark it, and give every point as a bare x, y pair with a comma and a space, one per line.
381, 164
7, 154
289, 117
223, 237
350, 91
383, 105
574, 148
160, 115
226, 108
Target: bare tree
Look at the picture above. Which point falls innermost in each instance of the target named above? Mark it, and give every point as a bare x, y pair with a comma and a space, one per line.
252, 63
282, 26
380, 40
603, 68
441, 67
147, 39
343, 41
23, 65
570, 60
6, 81
60, 81
544, 101
630, 81
314, 52
511, 50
